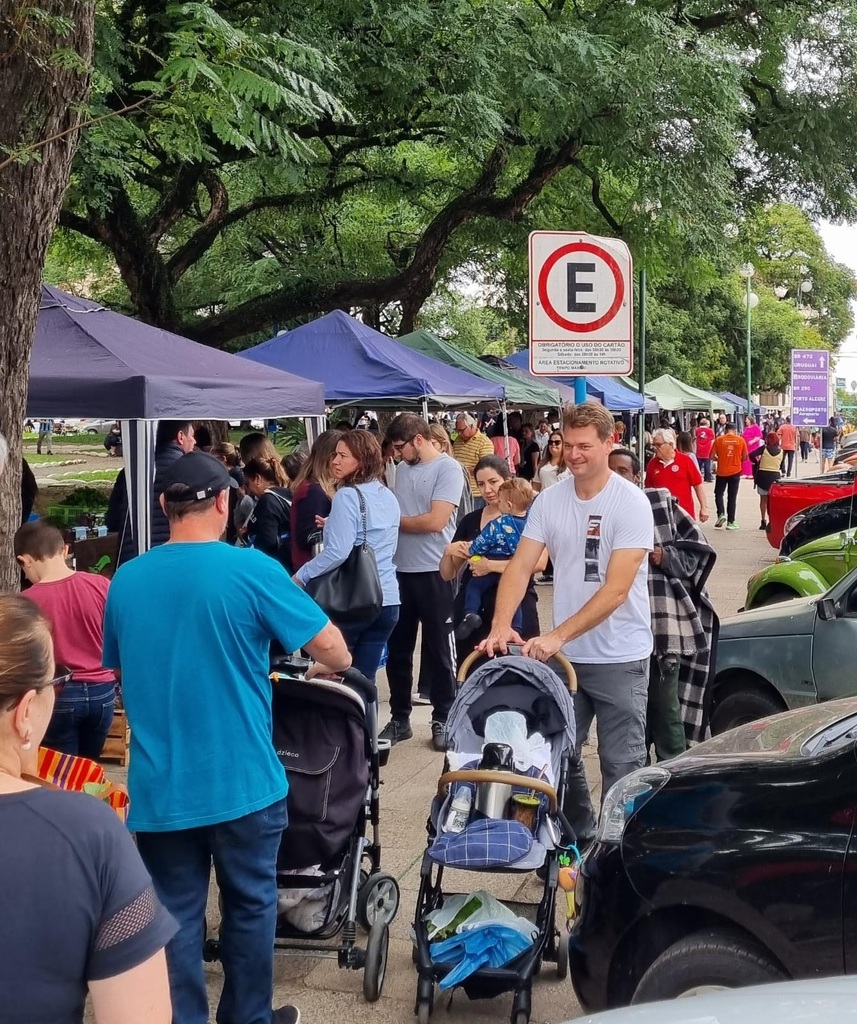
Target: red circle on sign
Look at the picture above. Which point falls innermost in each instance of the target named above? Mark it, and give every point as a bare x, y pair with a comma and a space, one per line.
551, 262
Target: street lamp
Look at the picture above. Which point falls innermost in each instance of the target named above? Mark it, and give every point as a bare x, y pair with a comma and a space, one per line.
751, 300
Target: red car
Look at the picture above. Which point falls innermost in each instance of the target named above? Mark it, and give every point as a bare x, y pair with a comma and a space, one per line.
787, 497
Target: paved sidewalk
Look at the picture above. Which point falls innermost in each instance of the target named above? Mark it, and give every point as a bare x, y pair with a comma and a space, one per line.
327, 995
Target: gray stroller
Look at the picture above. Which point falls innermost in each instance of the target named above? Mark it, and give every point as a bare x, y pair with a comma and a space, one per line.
542, 695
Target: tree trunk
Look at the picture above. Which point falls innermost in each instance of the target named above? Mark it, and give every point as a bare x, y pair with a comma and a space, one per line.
41, 99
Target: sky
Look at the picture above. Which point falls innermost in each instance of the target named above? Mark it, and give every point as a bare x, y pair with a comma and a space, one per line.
841, 242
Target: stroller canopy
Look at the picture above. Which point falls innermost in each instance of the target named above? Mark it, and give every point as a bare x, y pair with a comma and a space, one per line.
463, 733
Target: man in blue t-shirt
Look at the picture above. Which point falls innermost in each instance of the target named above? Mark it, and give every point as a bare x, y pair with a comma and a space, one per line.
189, 626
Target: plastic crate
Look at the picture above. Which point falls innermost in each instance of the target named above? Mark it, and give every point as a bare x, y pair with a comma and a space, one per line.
68, 515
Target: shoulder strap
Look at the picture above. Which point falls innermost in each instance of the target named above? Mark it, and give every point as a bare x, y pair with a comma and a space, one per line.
362, 502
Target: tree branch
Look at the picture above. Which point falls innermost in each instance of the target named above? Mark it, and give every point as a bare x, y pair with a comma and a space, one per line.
597, 201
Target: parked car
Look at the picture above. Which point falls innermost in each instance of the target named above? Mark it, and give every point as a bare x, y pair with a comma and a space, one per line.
733, 864
831, 1000
818, 521
789, 496
95, 426
785, 656
808, 571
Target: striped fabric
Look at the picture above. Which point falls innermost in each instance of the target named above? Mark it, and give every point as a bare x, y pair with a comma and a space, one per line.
79, 774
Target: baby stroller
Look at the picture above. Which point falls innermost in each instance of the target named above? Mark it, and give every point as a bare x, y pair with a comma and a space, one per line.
328, 872
543, 697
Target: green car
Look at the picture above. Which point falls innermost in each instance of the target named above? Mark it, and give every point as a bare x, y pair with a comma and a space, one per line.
810, 570
796, 653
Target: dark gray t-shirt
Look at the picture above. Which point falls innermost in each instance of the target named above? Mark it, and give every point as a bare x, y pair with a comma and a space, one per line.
76, 904
416, 488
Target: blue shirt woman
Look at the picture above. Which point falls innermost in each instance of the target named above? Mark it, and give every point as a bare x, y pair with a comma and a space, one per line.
357, 463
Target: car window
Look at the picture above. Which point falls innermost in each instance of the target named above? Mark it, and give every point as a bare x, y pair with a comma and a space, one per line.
832, 737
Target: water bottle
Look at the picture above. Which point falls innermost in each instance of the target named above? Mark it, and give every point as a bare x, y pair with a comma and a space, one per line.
459, 812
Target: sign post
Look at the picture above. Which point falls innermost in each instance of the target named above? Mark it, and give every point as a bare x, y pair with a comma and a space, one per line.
581, 306
810, 387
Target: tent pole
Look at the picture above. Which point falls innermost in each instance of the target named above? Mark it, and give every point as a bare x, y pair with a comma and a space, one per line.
579, 390
641, 373
425, 408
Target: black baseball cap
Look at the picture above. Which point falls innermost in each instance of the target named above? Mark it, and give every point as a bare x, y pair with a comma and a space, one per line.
200, 473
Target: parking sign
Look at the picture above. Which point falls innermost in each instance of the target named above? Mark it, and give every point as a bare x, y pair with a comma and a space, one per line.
581, 305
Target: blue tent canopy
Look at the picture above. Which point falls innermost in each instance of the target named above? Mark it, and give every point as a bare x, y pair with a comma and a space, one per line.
90, 361
357, 364
739, 402
617, 397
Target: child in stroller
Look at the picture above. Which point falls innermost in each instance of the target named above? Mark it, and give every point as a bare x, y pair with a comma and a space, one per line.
496, 699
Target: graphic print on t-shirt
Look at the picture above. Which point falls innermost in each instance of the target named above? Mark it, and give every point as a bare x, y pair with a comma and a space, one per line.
591, 573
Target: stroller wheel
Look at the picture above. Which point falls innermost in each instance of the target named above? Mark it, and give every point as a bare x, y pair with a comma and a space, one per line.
521, 1008
375, 965
377, 900
562, 957
425, 1000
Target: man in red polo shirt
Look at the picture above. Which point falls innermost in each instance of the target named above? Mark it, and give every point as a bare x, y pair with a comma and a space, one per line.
704, 440
676, 472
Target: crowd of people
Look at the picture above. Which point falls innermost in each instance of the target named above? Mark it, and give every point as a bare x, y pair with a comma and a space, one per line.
463, 526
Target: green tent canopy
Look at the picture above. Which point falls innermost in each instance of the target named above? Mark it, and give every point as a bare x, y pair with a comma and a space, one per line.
676, 396
520, 390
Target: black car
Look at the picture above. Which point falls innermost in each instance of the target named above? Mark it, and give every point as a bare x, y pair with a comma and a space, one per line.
733, 864
821, 520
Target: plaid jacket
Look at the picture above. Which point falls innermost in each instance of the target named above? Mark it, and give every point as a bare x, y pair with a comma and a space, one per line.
684, 623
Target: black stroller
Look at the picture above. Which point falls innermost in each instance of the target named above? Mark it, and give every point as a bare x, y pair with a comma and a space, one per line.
520, 685
328, 872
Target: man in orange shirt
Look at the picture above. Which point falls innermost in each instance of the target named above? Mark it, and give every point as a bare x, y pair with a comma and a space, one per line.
728, 452
788, 442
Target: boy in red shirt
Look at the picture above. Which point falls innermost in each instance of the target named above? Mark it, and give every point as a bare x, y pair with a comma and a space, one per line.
676, 472
704, 436
73, 602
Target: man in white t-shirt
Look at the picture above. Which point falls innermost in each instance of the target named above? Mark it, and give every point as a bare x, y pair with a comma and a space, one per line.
598, 530
428, 488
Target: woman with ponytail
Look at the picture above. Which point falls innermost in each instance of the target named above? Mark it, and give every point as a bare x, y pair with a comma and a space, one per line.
269, 527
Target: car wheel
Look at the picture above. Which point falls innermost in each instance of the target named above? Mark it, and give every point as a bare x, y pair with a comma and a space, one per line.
740, 704
775, 595
707, 960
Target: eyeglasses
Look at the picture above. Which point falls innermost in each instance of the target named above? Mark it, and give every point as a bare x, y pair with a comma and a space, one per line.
554, 444
62, 677
399, 445
663, 444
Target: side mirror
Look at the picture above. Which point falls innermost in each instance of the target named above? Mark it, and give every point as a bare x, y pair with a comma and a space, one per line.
826, 608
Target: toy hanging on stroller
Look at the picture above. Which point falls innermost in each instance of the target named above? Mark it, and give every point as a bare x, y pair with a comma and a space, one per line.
511, 739
326, 736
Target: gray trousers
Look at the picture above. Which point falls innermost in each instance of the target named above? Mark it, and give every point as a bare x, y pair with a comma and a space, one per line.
615, 696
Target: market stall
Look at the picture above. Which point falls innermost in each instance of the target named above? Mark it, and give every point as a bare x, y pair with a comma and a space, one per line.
88, 361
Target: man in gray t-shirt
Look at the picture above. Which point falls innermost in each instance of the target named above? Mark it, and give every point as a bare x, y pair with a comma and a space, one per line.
428, 488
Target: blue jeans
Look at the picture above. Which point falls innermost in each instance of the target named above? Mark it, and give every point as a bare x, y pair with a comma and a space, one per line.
474, 594
244, 853
366, 640
705, 469
83, 714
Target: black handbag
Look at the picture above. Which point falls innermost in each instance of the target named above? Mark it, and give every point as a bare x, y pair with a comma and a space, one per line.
352, 591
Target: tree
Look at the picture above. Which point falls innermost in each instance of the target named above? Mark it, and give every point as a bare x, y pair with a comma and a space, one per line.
231, 209
44, 59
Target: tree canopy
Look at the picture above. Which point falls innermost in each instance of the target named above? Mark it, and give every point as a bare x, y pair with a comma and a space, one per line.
371, 155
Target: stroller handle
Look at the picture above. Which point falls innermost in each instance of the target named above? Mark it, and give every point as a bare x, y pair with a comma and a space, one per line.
507, 778
289, 665
559, 663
